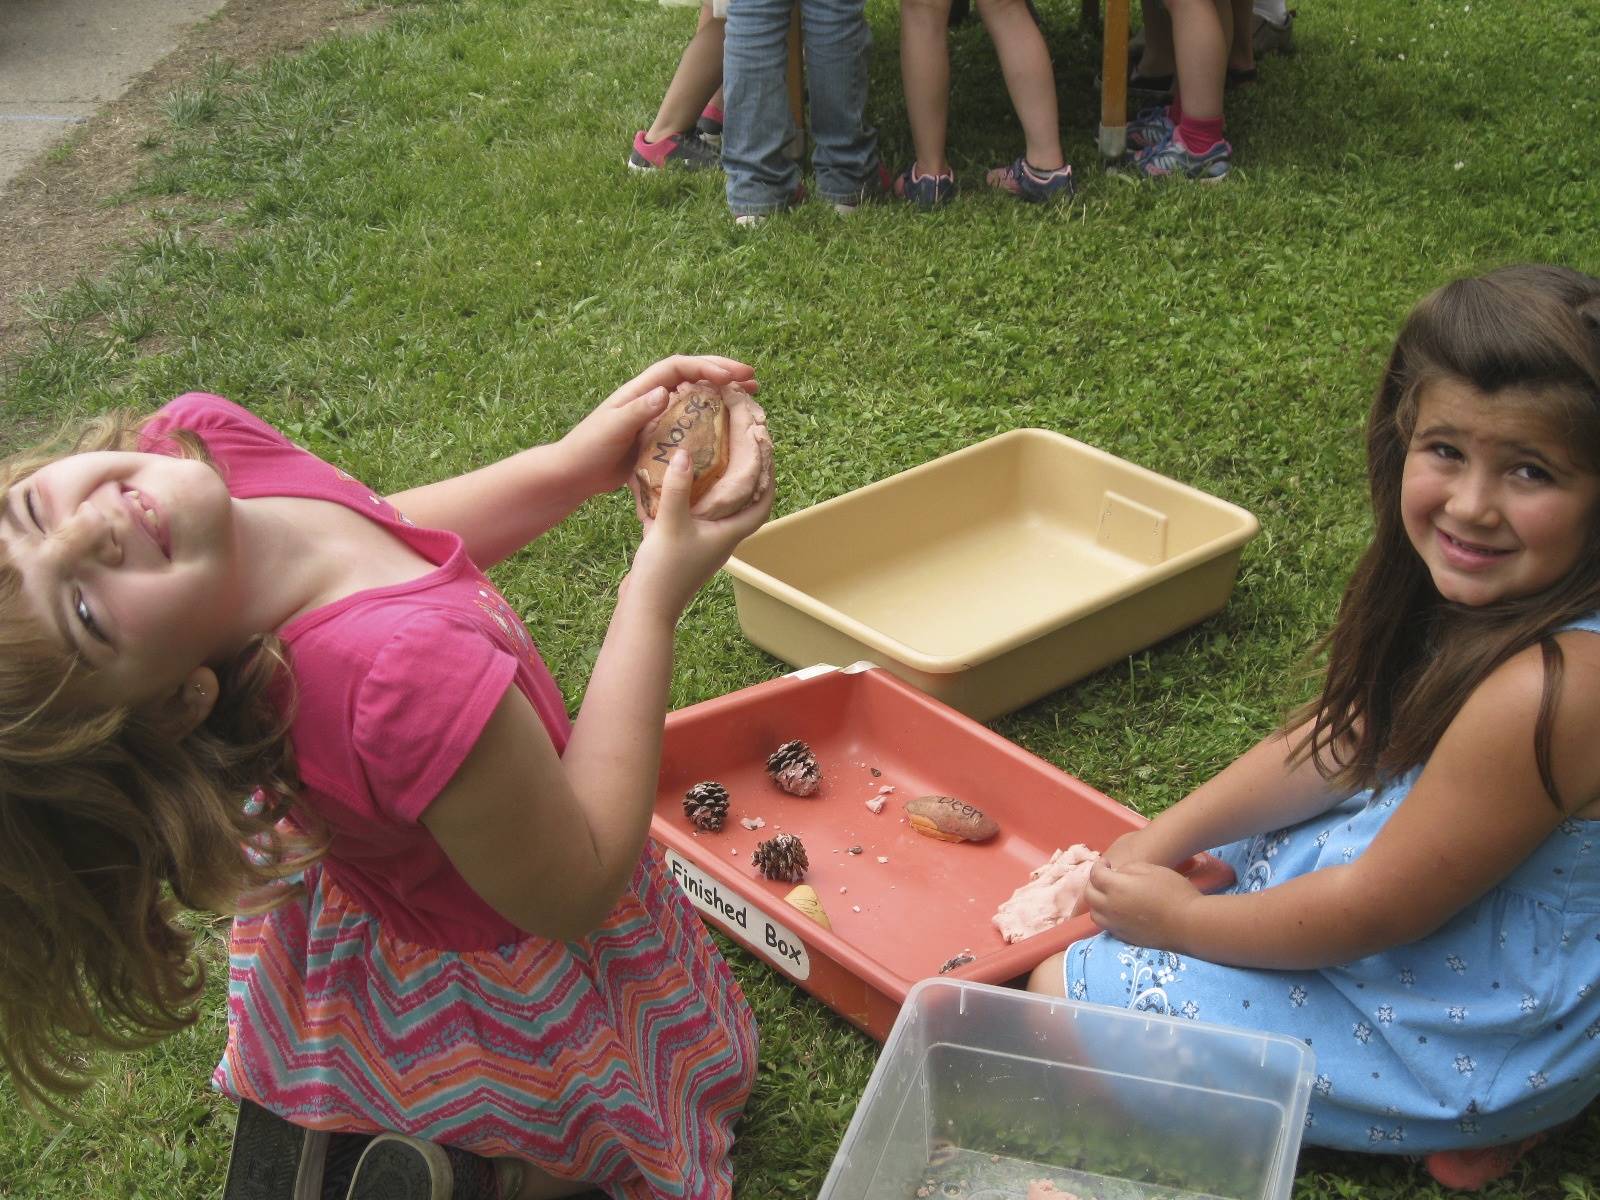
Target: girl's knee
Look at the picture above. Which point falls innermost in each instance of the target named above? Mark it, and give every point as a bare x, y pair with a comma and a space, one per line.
1049, 977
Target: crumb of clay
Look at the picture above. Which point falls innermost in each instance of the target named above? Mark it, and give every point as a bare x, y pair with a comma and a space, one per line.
1053, 893
735, 850
876, 804
883, 858
855, 908
752, 822
853, 850
842, 889
886, 790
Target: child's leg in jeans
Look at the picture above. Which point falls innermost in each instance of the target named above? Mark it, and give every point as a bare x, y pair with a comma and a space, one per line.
696, 80
761, 178
925, 71
838, 44
1030, 80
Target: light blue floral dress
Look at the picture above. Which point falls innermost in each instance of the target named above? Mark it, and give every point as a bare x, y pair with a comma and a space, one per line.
1483, 1032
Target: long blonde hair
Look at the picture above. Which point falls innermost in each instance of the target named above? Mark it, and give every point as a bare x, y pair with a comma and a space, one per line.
109, 827
1402, 661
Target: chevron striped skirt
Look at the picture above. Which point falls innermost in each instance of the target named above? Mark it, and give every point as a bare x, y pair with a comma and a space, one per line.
623, 1059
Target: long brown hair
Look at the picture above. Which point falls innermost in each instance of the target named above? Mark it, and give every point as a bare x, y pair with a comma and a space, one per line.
109, 827
1401, 660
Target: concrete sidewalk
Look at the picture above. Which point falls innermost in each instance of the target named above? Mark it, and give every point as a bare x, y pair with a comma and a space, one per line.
62, 59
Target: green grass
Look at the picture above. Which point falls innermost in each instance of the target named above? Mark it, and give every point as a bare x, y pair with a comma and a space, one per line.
419, 249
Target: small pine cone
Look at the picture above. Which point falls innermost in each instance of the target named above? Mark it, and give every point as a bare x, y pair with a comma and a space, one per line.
794, 768
782, 857
706, 805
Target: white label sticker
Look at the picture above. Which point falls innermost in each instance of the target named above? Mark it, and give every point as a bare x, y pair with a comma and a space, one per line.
743, 920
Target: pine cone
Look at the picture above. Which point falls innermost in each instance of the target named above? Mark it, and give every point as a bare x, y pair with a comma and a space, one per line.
782, 857
706, 805
794, 768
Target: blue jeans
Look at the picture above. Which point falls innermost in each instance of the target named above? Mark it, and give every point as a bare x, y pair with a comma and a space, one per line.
757, 124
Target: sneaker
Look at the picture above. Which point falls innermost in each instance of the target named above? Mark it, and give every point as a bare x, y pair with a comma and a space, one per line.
709, 126
878, 186
1150, 128
1173, 159
1030, 184
796, 197
396, 1167
273, 1159
675, 150
1268, 38
925, 191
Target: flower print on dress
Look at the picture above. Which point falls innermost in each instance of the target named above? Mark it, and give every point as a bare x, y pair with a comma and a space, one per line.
1322, 1085
1456, 1014
1297, 996
1457, 964
1592, 1031
504, 618
1149, 971
1385, 1014
1465, 1064
1529, 1003
1536, 1080
1362, 1032
1080, 989
1408, 977
1189, 1009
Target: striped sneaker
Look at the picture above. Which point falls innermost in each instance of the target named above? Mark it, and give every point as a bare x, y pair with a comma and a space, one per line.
1150, 128
1173, 160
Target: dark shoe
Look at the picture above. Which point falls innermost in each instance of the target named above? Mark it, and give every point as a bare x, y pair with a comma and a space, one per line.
1268, 38
708, 128
878, 186
273, 1159
675, 150
396, 1167
925, 191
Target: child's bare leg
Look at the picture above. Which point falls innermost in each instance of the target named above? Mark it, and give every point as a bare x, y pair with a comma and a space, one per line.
698, 77
925, 71
1030, 79
1157, 57
1241, 47
1202, 56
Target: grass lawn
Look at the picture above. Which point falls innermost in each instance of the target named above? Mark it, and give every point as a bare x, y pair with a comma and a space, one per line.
419, 249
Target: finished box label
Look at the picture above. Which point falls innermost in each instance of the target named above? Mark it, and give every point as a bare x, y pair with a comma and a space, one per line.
773, 939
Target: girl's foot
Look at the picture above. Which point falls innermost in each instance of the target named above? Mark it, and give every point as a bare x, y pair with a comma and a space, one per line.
1027, 182
396, 1167
925, 191
675, 150
1469, 1170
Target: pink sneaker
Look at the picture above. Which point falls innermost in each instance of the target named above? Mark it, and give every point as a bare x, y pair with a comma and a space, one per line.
675, 150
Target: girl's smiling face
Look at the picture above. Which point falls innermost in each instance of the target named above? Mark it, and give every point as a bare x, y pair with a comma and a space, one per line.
129, 560
1491, 496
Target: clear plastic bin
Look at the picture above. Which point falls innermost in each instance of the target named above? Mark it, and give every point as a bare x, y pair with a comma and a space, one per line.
981, 1090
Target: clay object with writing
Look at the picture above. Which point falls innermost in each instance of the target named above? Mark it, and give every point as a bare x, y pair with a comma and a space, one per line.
695, 420
949, 819
806, 900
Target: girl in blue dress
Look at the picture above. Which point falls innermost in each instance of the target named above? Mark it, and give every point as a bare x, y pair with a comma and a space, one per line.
1417, 851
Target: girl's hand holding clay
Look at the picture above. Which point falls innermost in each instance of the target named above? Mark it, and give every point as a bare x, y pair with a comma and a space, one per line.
600, 450
724, 432
681, 551
1141, 903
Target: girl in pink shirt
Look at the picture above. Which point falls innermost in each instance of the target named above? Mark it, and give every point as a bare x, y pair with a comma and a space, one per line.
481, 951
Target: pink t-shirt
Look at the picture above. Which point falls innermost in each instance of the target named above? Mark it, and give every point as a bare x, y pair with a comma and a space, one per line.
393, 686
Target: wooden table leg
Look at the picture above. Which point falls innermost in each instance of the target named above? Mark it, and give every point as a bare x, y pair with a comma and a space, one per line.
1114, 81
797, 88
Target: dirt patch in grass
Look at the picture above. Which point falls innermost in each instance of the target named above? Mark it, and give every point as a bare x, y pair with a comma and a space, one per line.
63, 218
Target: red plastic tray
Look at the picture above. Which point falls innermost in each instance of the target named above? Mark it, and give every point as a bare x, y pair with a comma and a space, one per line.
931, 900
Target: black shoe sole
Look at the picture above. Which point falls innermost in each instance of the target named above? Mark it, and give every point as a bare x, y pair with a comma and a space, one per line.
393, 1169
273, 1159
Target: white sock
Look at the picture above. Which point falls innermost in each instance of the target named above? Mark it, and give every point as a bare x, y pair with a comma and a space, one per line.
1275, 11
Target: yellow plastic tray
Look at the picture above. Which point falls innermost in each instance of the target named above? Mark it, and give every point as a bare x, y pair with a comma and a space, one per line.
994, 575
